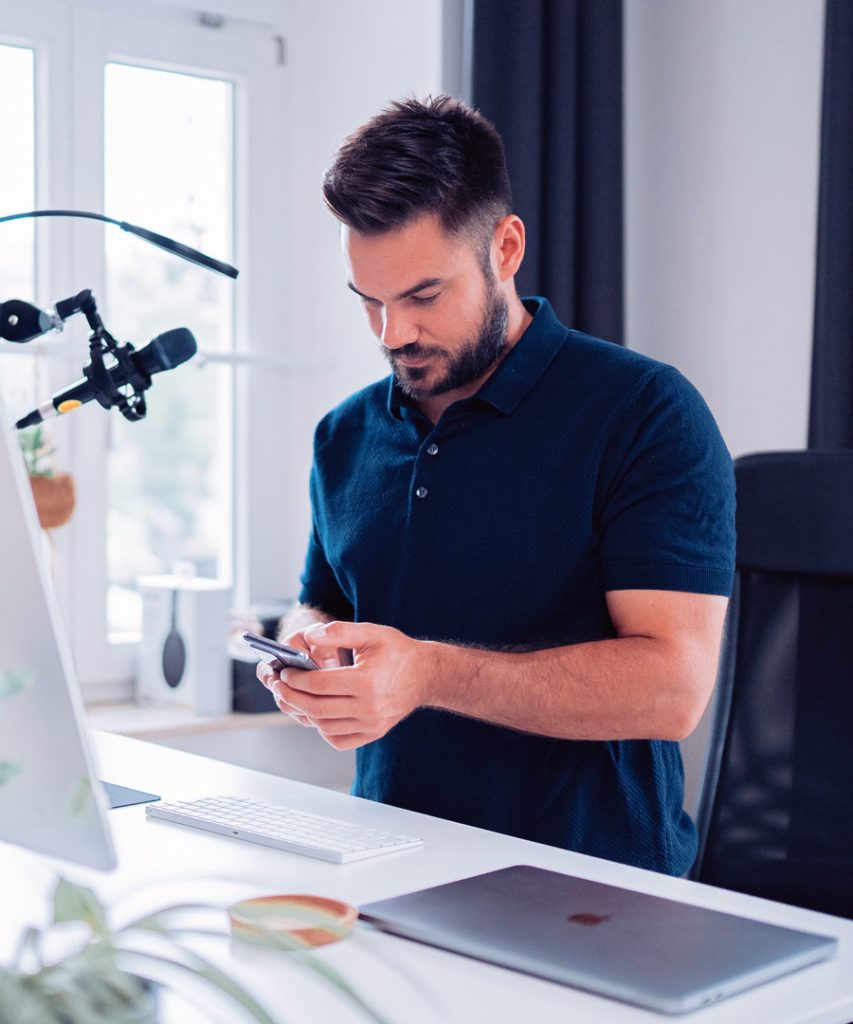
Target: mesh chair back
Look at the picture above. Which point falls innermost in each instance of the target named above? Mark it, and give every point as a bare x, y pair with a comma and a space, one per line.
776, 811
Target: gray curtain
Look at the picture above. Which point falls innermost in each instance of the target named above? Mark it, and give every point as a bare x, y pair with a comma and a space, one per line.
548, 73
831, 412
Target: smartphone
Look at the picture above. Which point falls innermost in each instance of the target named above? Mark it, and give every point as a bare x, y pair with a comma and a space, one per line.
290, 657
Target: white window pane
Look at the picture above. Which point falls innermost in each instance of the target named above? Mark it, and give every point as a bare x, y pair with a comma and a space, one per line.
17, 239
169, 168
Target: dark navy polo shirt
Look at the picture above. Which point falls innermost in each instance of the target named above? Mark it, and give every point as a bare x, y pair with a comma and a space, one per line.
579, 467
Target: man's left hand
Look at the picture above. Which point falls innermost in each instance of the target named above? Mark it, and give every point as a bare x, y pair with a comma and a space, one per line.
356, 704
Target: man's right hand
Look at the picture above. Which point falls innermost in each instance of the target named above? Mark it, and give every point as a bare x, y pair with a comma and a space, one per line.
268, 671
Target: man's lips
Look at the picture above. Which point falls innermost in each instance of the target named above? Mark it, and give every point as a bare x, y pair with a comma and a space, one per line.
412, 361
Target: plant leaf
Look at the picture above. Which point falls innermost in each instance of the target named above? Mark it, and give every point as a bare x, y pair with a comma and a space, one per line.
158, 922
156, 919
28, 943
206, 971
89, 987
28, 1004
330, 974
297, 948
77, 903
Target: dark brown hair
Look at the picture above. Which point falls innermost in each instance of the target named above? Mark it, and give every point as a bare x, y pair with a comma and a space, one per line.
415, 158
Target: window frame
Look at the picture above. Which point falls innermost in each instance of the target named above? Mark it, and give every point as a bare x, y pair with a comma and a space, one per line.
73, 42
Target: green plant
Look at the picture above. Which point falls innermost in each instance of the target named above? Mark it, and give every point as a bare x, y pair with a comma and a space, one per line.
37, 451
99, 981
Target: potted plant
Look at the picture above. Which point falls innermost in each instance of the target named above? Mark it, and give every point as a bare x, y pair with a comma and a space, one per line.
100, 980
53, 492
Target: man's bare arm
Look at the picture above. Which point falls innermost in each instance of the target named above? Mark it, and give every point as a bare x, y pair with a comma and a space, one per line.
652, 681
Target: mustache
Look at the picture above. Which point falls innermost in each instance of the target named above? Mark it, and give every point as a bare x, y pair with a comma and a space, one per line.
413, 350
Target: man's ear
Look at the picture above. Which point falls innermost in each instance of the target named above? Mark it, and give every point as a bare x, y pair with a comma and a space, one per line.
508, 246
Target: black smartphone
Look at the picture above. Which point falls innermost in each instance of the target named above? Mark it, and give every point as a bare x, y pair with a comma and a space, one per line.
290, 657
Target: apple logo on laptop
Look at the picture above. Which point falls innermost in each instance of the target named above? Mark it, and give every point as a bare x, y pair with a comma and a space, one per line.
588, 920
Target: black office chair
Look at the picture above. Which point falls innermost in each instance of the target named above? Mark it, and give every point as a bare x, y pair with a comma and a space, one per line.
776, 808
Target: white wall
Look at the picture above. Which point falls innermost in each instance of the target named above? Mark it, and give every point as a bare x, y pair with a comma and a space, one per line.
721, 149
722, 113
345, 62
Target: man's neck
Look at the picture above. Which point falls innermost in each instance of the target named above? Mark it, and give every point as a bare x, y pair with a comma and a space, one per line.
518, 321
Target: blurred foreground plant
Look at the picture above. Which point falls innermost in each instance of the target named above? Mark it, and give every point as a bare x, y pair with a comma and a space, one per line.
101, 981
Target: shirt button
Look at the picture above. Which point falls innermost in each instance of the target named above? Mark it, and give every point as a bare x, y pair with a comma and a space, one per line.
422, 492
432, 450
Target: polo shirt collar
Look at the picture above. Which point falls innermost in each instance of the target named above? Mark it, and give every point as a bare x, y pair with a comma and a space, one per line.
517, 374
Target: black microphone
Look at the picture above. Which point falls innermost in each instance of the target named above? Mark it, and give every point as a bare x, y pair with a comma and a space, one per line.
21, 322
134, 368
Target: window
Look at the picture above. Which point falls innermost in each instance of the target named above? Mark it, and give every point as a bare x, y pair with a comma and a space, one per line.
144, 112
169, 496
19, 366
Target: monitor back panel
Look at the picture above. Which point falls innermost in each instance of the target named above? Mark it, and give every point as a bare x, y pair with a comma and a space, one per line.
49, 799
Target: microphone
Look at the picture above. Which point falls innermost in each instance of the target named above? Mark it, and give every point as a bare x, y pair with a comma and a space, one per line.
133, 368
21, 322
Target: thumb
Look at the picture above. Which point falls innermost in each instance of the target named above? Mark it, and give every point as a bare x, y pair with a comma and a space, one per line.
353, 635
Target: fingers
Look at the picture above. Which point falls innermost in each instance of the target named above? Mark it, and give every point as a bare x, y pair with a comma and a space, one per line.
267, 672
348, 635
349, 742
323, 655
339, 682
317, 708
329, 717
341, 733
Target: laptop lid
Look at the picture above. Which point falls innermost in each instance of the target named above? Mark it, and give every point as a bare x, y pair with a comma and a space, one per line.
654, 952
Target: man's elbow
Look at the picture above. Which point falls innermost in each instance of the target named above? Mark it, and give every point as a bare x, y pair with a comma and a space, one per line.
684, 721
692, 689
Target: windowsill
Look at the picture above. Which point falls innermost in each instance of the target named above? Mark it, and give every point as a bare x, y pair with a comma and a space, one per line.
159, 723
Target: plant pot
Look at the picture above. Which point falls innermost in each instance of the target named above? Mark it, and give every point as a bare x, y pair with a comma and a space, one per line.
54, 498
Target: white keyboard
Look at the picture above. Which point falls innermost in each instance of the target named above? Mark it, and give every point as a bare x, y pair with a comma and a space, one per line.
283, 828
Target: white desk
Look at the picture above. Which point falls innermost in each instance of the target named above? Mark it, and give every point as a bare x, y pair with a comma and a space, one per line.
410, 983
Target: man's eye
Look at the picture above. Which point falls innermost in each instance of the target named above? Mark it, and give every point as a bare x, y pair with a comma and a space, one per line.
425, 300
369, 302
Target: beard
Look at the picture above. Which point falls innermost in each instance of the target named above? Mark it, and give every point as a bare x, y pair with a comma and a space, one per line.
474, 358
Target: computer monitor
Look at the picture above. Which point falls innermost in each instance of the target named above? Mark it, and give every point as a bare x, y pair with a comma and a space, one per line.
50, 799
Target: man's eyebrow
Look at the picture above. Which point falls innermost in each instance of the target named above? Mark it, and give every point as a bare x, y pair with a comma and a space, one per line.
428, 282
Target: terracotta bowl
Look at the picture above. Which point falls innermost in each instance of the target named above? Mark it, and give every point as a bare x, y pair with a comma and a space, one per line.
294, 916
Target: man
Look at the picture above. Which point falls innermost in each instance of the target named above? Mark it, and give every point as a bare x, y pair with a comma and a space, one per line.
525, 535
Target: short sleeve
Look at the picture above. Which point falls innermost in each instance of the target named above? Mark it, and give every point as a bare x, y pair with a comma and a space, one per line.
320, 587
668, 494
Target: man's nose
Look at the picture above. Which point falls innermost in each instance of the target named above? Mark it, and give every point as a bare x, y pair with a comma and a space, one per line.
397, 329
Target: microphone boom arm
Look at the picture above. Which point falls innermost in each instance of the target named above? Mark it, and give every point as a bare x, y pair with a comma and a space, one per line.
131, 404
22, 322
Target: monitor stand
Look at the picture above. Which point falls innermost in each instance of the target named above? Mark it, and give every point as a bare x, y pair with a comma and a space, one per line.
121, 796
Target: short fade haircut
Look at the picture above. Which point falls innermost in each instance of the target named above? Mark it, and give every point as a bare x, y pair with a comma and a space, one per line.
416, 158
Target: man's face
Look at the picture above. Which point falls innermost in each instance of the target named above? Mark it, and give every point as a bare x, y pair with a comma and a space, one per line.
439, 317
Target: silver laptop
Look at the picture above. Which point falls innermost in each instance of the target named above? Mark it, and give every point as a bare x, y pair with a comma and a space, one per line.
642, 949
